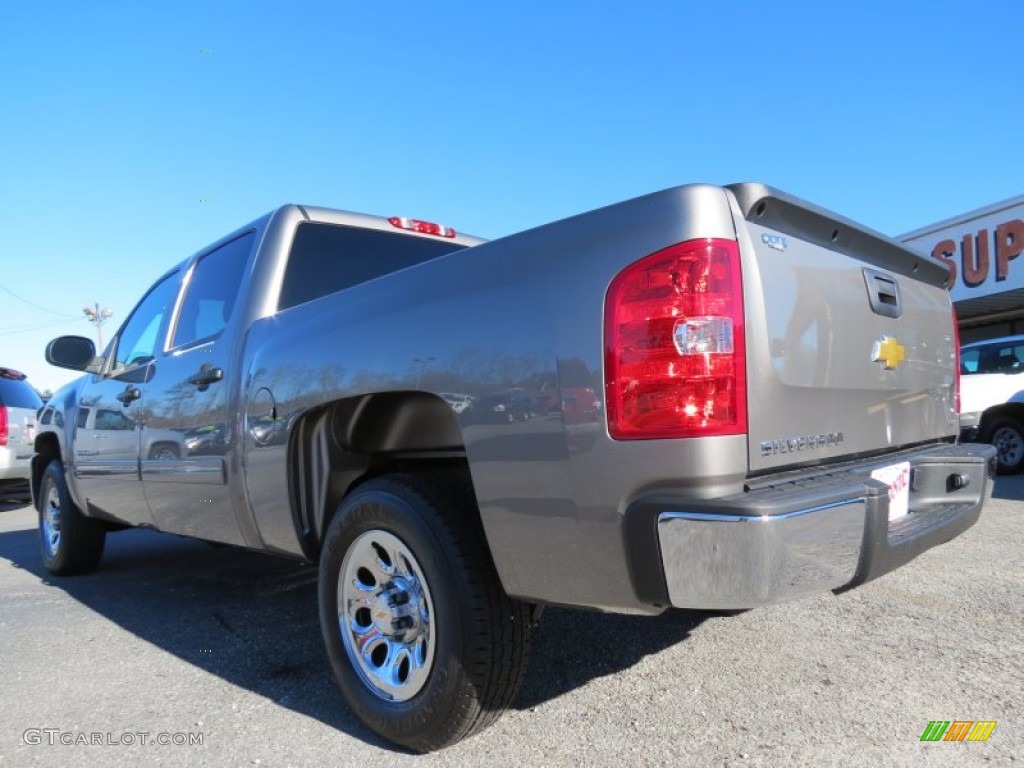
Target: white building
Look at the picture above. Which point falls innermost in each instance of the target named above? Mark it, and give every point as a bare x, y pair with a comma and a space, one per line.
982, 247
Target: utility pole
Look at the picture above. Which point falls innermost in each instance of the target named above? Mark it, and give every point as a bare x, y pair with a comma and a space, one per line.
98, 316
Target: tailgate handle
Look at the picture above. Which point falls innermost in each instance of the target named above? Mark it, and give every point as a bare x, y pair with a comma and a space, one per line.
883, 293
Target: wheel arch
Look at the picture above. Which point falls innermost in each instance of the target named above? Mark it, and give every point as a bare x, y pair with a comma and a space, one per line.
340, 445
47, 449
1010, 458
1010, 410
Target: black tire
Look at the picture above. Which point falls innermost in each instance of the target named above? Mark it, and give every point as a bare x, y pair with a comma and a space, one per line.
70, 542
1007, 435
480, 635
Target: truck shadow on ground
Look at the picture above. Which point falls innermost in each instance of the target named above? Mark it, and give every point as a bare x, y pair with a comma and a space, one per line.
1009, 487
252, 620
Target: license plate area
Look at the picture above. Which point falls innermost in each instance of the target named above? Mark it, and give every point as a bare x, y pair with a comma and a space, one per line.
897, 477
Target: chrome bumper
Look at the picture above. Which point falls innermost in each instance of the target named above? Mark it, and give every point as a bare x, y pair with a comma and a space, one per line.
796, 535
736, 561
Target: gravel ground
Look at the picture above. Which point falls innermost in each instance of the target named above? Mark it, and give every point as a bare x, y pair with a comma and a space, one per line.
172, 636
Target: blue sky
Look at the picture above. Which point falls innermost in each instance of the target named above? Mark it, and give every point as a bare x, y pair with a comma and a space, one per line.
118, 119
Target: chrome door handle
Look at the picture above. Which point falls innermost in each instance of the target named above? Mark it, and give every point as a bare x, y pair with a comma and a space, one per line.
130, 393
206, 376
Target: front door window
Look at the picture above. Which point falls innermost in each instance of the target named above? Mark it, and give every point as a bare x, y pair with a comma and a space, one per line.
139, 340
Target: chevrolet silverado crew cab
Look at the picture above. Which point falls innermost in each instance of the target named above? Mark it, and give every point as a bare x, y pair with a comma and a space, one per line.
707, 397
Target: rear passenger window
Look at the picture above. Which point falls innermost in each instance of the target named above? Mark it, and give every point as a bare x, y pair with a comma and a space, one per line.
211, 292
15, 392
998, 358
326, 258
1006, 359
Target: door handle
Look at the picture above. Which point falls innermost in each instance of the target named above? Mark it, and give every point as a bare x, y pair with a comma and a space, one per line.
130, 393
206, 376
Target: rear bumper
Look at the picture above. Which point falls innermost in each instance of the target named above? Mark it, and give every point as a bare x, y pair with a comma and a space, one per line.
13, 467
794, 535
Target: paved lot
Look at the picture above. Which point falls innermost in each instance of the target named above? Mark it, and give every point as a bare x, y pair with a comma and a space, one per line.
172, 636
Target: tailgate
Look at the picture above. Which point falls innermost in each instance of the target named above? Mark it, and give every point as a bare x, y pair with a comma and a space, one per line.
850, 342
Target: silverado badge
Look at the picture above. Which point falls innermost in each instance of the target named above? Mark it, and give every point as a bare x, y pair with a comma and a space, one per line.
889, 352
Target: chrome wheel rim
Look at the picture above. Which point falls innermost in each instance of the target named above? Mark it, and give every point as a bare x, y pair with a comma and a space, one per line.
386, 616
1010, 445
51, 522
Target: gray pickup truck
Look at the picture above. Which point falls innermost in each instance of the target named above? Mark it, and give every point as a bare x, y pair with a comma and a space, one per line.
706, 398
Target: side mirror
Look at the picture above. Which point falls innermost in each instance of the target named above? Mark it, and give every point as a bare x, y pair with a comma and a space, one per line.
75, 352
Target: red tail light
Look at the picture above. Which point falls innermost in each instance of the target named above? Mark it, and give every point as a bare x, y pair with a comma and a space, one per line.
956, 361
675, 362
4, 429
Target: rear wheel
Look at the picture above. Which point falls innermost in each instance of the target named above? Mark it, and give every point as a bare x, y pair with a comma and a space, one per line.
164, 452
71, 543
425, 645
1007, 436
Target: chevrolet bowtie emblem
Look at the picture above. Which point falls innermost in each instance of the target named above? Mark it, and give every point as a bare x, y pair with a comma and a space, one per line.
889, 352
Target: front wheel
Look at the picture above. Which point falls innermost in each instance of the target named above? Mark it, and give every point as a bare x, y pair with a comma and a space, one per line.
1007, 436
71, 542
425, 645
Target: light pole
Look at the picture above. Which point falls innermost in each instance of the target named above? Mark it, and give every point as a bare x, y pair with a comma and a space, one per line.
98, 316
